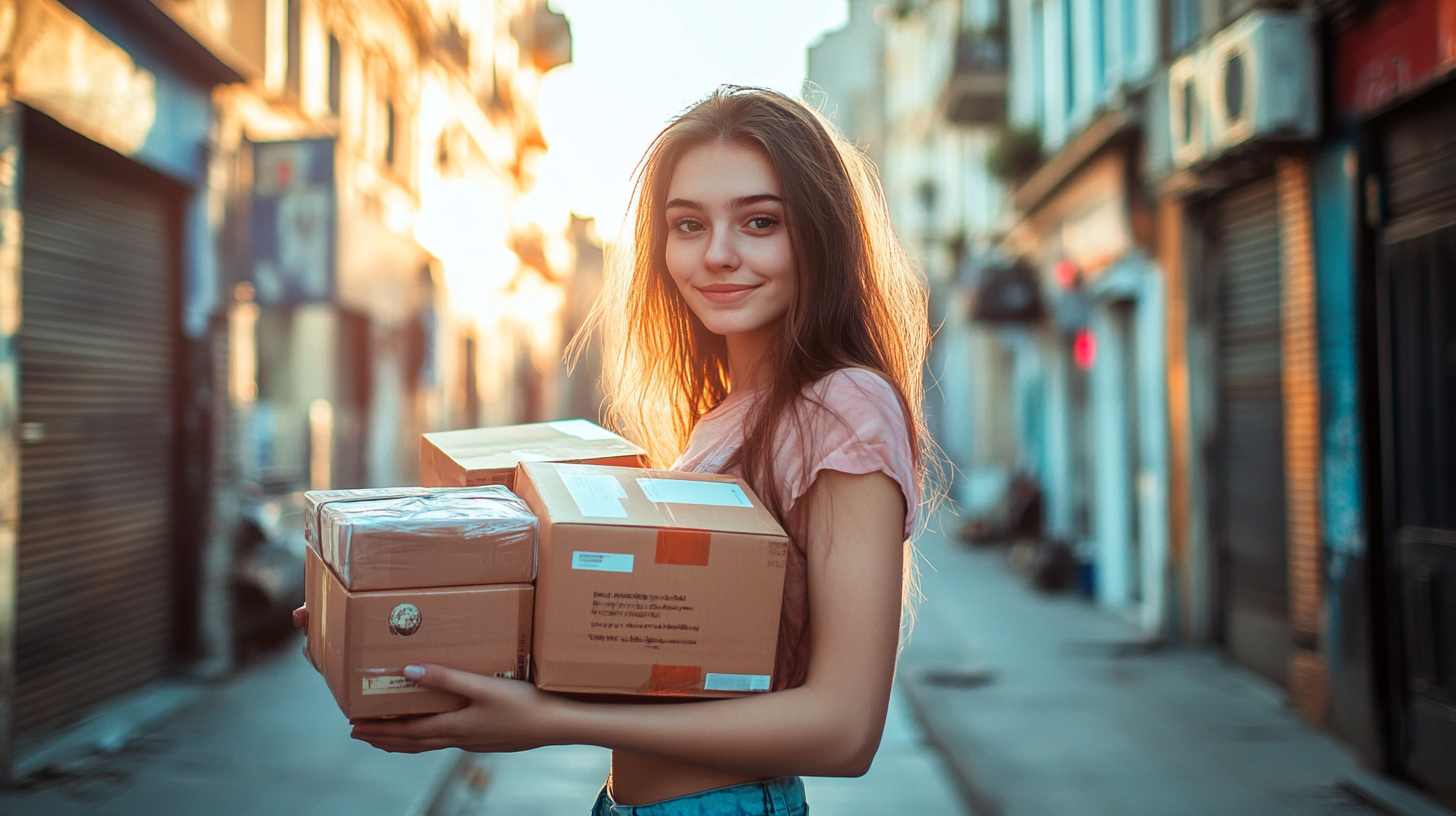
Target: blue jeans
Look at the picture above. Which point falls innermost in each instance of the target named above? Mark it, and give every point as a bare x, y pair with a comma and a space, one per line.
772, 797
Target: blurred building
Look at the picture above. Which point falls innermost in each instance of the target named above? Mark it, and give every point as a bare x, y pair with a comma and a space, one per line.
921, 88
1215, 323
253, 246
1207, 219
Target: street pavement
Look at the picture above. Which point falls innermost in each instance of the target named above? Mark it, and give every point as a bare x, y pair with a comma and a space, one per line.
1047, 705
270, 741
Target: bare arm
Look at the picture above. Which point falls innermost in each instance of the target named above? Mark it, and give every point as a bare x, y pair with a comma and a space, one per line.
830, 726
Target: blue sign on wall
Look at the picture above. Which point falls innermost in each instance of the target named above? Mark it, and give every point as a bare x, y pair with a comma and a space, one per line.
293, 219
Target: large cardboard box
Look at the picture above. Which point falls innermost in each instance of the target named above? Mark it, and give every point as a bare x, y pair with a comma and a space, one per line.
485, 456
396, 538
361, 641
653, 582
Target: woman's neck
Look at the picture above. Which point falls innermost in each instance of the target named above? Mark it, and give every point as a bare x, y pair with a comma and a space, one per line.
747, 356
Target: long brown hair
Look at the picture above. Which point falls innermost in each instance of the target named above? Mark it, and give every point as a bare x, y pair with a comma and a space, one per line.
858, 303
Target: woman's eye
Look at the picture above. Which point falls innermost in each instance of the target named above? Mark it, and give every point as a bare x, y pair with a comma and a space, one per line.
762, 222
687, 225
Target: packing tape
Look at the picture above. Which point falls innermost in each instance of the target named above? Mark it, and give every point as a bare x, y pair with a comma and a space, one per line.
687, 548
668, 680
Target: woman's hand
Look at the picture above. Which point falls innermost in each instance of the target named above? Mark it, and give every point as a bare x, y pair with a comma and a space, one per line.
502, 716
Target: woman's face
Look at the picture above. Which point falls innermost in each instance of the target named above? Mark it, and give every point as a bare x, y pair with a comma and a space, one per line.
728, 248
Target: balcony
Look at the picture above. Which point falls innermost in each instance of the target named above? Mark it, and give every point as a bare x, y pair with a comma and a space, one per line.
976, 91
544, 35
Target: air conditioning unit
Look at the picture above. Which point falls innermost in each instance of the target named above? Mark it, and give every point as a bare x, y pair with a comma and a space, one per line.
1188, 109
1262, 74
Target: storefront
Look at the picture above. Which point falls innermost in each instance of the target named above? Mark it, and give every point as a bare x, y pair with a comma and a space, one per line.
106, 254
1084, 226
1395, 688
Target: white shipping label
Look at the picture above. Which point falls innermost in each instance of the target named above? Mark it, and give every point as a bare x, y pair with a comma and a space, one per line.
389, 684
596, 494
683, 491
735, 682
602, 562
581, 429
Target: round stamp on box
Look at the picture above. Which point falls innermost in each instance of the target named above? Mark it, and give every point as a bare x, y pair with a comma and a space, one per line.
405, 620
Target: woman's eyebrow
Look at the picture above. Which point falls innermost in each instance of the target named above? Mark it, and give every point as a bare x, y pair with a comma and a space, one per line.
748, 200
741, 201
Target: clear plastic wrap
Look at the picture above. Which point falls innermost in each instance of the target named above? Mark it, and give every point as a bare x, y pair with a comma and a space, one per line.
399, 538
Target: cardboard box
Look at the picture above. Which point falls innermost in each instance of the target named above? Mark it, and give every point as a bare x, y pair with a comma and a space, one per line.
361, 641
485, 456
397, 538
653, 582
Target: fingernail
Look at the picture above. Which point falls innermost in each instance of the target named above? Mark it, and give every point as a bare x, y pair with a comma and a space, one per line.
414, 672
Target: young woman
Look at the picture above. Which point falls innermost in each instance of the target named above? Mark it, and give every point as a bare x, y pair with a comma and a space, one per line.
764, 323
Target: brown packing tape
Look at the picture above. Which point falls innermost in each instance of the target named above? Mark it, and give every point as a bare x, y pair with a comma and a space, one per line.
671, 680
687, 548
523, 641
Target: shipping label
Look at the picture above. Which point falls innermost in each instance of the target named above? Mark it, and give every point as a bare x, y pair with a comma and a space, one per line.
596, 494
683, 491
602, 562
389, 684
736, 682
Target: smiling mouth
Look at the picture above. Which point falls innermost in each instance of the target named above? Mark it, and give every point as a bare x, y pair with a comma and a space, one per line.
727, 292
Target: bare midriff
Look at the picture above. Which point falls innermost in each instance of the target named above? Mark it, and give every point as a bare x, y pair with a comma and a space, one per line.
642, 780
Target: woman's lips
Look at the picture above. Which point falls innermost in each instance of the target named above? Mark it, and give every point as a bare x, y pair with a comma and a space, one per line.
727, 292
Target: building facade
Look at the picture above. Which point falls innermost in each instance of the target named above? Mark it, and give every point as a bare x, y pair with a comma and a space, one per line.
1213, 320
920, 87
252, 247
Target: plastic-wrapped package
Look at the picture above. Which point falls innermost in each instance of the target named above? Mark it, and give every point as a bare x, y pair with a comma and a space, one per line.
313, 498
401, 538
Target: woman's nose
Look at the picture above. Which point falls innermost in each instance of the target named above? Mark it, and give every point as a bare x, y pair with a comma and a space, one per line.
722, 250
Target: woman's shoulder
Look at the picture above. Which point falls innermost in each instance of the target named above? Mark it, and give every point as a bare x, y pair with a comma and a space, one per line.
856, 388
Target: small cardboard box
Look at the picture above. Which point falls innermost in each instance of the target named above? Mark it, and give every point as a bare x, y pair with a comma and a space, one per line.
398, 538
485, 456
361, 641
653, 582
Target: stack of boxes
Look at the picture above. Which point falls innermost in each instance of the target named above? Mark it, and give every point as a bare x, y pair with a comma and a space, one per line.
401, 576
645, 582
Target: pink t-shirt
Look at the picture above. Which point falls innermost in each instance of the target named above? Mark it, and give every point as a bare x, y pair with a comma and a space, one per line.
851, 422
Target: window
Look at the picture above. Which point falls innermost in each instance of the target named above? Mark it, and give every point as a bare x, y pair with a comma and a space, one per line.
390, 149
336, 74
291, 81
1069, 59
1182, 24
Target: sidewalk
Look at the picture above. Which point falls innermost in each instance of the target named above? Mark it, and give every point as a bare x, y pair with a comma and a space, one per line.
1062, 712
269, 741
907, 777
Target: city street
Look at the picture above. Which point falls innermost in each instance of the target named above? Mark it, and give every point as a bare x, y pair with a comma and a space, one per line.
1040, 704
1065, 712
1161, 293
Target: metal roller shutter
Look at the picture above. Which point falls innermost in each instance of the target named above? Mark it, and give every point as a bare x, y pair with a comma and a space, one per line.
1416, 308
97, 362
1251, 418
